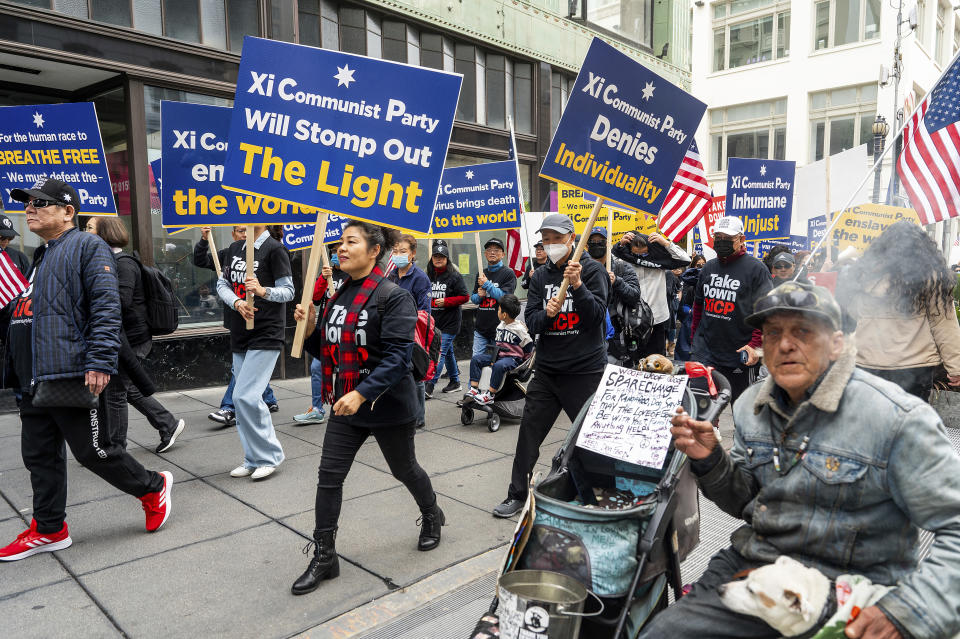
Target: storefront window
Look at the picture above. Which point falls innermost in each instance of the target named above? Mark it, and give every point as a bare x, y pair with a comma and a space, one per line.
173, 253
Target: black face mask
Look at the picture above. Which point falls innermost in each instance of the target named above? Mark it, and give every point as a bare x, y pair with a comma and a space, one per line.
724, 248
596, 251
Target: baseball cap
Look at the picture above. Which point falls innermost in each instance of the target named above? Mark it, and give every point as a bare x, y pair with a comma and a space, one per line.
728, 225
557, 222
599, 230
49, 189
540, 244
784, 257
6, 227
496, 241
797, 297
441, 248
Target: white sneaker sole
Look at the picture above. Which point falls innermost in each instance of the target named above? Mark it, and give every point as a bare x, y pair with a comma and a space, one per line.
173, 438
237, 473
57, 545
167, 486
263, 472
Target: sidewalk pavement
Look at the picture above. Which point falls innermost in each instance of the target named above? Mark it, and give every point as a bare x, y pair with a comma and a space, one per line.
224, 562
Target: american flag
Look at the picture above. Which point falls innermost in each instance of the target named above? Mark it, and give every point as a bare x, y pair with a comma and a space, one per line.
515, 259
688, 199
12, 281
929, 166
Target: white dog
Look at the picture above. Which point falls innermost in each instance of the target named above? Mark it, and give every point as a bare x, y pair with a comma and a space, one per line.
791, 598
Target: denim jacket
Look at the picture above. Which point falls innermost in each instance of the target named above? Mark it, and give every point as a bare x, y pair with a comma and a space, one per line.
878, 467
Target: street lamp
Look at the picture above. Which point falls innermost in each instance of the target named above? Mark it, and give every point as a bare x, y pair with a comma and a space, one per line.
880, 130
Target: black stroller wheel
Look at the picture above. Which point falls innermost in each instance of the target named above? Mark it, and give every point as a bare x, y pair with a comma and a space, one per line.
493, 423
466, 416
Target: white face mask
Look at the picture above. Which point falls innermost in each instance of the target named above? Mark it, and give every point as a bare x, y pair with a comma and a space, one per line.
556, 252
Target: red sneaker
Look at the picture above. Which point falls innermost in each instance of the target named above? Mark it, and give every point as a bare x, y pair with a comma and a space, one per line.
157, 505
30, 542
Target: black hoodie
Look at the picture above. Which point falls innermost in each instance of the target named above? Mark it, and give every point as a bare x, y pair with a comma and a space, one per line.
575, 340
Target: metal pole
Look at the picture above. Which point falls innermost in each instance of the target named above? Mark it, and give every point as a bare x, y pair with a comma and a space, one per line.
897, 114
878, 139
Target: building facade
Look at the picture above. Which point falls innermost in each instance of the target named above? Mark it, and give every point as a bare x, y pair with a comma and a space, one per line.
518, 58
801, 80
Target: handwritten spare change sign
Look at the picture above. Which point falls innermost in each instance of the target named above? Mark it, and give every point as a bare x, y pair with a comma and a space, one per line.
358, 136
479, 197
60, 141
629, 417
624, 131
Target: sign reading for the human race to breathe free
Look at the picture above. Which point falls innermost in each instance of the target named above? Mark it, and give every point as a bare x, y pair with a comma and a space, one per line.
357, 136
629, 417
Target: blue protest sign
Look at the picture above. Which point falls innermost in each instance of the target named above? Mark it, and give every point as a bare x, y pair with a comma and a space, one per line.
60, 141
760, 193
297, 237
816, 229
155, 168
794, 243
362, 137
193, 139
624, 131
479, 197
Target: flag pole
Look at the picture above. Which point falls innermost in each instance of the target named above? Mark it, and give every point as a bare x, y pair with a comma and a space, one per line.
516, 164
887, 149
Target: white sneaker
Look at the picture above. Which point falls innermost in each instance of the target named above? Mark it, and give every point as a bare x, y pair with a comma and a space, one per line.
242, 471
473, 391
484, 398
263, 472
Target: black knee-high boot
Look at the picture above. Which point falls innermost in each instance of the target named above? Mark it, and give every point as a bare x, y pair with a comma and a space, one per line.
431, 519
323, 565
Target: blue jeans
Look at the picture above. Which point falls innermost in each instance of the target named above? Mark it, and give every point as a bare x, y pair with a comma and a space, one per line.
500, 368
260, 444
480, 343
447, 357
316, 384
227, 402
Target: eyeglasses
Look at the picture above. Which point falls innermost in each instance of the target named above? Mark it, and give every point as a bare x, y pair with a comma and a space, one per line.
777, 267
798, 298
38, 203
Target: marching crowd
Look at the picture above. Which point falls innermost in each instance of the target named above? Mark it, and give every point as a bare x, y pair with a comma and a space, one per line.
838, 460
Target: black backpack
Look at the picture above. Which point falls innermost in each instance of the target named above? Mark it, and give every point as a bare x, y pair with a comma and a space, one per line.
161, 304
426, 337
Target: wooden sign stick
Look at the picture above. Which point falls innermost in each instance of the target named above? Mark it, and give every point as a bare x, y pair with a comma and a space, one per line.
250, 270
213, 254
476, 241
609, 239
562, 294
317, 252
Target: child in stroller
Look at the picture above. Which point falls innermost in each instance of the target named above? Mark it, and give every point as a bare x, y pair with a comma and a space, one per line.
511, 354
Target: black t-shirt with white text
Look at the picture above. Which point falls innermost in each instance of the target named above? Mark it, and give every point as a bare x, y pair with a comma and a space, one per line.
487, 320
271, 262
449, 283
727, 293
20, 334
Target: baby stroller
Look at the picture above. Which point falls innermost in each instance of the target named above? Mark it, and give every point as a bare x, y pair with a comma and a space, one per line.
508, 399
628, 554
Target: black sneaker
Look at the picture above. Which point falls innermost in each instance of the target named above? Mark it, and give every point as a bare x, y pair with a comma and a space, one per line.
274, 408
223, 416
508, 508
428, 390
452, 387
167, 439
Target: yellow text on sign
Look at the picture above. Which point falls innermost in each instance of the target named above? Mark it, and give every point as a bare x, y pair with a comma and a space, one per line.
572, 204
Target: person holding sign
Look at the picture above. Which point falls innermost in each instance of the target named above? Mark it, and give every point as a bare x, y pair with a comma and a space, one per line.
63, 338
255, 351
726, 290
365, 340
834, 467
571, 352
539, 259
202, 258
651, 257
493, 283
449, 293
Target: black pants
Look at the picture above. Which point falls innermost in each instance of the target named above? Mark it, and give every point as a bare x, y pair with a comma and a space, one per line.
121, 391
738, 377
43, 433
547, 395
340, 445
656, 344
916, 381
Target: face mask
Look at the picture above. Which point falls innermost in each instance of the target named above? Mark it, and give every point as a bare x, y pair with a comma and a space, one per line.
596, 251
724, 248
399, 260
334, 260
555, 252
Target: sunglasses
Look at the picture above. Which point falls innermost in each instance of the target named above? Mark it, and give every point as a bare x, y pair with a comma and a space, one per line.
780, 266
38, 203
794, 299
